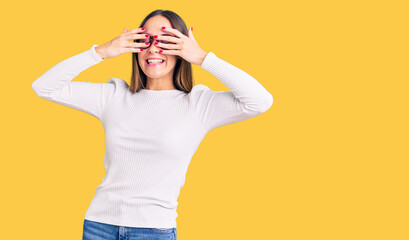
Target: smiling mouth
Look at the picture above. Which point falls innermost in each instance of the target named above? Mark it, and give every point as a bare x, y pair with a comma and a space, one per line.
154, 63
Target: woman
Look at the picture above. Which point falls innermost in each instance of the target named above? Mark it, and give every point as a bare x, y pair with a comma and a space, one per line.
152, 127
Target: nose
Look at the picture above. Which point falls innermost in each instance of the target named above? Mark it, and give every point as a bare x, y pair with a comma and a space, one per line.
153, 47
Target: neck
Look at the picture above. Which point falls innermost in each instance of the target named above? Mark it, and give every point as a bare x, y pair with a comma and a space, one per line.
157, 84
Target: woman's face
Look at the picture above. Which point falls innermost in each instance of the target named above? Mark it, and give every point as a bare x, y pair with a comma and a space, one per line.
163, 71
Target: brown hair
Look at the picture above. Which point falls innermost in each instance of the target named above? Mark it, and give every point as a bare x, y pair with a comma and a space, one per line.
182, 76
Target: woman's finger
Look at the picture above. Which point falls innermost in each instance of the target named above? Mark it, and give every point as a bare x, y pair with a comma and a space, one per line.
168, 45
174, 31
134, 36
169, 39
134, 50
170, 52
141, 43
133, 31
138, 45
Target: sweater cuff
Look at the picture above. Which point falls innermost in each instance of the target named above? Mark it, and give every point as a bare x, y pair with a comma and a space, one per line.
95, 54
210, 57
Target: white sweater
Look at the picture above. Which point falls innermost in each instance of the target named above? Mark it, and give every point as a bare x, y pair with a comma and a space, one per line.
150, 136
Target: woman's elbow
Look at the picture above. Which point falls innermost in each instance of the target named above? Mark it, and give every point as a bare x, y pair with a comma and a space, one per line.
266, 103
35, 88
260, 105
40, 91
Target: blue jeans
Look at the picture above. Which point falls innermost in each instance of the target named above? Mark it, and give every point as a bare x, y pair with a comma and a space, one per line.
102, 231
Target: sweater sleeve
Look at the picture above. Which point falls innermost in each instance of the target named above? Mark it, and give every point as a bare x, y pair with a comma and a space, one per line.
56, 85
246, 97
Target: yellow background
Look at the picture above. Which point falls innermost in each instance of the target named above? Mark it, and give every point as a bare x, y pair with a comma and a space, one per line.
329, 159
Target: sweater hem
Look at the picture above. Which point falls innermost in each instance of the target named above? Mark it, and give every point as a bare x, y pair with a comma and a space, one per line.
115, 223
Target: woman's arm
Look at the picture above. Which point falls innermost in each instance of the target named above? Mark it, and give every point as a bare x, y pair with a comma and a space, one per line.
57, 86
246, 97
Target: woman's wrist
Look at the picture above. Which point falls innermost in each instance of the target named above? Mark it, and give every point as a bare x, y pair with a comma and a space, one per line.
99, 52
202, 58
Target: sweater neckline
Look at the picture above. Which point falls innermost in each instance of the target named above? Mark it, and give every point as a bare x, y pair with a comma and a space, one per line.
159, 92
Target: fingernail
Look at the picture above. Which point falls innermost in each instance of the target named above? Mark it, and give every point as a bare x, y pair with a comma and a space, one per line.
147, 43
156, 43
191, 29
156, 36
163, 27
146, 35
142, 28
160, 51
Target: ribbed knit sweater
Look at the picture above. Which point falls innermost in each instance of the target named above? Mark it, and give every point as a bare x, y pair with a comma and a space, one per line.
150, 135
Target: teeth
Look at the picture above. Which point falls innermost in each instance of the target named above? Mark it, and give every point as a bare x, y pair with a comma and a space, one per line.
155, 61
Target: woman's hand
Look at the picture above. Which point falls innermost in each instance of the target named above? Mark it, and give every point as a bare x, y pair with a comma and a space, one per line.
182, 46
121, 44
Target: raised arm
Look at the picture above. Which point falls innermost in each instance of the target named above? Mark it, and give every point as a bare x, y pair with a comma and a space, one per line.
246, 97
56, 85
